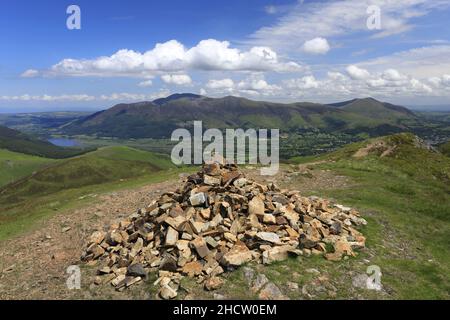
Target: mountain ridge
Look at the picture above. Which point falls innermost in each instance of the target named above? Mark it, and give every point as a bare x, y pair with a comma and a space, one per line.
158, 118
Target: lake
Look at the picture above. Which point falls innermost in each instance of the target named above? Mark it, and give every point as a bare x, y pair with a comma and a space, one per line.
63, 142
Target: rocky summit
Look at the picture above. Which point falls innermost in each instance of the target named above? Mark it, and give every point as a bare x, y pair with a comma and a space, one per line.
215, 222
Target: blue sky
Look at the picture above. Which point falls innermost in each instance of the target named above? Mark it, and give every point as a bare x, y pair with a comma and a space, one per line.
129, 51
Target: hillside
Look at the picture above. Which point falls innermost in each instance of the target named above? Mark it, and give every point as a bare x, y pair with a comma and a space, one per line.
445, 148
379, 117
375, 109
16, 141
14, 165
405, 202
403, 187
70, 181
405, 152
104, 165
159, 118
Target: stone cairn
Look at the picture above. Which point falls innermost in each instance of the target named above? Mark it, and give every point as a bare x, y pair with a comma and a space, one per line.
217, 221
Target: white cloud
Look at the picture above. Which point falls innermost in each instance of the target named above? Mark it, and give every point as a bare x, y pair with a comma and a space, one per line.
392, 82
316, 46
220, 84
421, 72
217, 55
414, 72
387, 85
49, 98
146, 83
177, 79
422, 62
30, 73
376, 83
253, 85
419, 86
440, 82
393, 75
336, 75
125, 97
307, 82
357, 73
435, 81
172, 56
308, 20
258, 85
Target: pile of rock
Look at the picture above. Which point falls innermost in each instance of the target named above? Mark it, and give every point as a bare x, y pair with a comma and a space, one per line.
216, 221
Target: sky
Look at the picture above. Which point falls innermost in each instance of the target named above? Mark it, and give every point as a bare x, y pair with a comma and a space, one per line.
276, 50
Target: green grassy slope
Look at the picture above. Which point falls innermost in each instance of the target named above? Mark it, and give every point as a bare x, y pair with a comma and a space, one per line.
122, 153
374, 109
445, 148
104, 165
14, 166
50, 189
407, 192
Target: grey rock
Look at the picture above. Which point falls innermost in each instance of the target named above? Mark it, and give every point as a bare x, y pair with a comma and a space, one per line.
218, 296
271, 292
360, 281
336, 228
259, 282
306, 243
136, 270
169, 263
197, 199
268, 236
171, 237
249, 274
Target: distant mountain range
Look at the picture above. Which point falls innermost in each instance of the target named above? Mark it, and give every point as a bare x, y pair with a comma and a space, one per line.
158, 118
